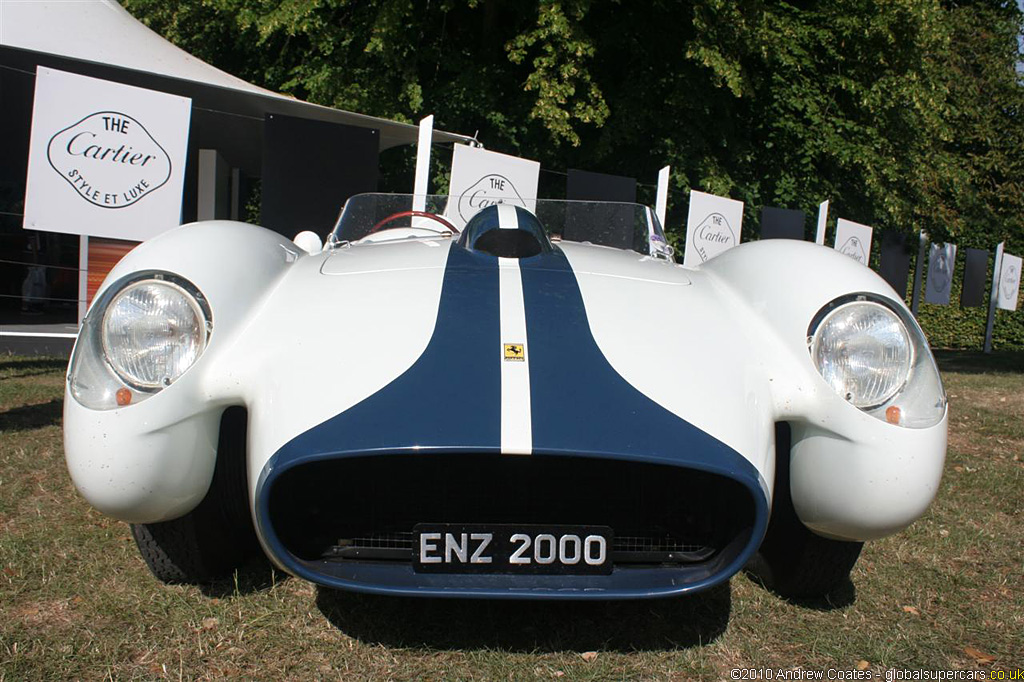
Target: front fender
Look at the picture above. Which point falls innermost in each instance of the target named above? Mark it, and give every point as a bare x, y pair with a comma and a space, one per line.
153, 460
852, 476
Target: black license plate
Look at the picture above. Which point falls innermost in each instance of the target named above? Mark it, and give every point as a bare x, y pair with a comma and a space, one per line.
494, 548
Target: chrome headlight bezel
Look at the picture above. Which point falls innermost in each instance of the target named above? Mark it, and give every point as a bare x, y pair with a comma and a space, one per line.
916, 399
93, 379
888, 334
191, 297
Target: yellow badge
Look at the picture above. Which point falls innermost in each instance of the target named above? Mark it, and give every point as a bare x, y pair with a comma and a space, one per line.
515, 352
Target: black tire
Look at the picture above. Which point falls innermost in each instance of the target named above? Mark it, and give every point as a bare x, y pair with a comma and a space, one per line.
216, 537
792, 561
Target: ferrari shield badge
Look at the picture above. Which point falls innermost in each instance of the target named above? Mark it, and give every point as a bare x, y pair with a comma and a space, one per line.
515, 352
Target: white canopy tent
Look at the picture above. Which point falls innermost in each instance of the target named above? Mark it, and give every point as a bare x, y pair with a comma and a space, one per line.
110, 43
100, 39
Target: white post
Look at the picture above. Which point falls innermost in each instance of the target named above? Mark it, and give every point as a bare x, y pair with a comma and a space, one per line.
994, 298
918, 273
661, 202
422, 178
819, 237
83, 276
214, 198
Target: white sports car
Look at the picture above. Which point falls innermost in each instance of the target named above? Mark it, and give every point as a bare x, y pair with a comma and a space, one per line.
541, 404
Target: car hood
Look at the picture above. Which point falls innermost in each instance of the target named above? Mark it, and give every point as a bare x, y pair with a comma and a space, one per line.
392, 346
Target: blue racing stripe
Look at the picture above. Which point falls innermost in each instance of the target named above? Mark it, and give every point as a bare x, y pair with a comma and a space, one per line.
581, 405
450, 398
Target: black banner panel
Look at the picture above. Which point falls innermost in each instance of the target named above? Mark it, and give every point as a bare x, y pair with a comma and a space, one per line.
782, 223
975, 274
310, 168
586, 186
894, 263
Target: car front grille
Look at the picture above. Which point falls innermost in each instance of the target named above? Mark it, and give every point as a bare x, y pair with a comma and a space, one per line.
364, 508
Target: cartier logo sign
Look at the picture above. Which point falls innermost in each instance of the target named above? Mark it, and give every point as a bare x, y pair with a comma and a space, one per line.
487, 191
110, 159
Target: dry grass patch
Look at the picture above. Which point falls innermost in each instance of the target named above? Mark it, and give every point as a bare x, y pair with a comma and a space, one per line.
76, 601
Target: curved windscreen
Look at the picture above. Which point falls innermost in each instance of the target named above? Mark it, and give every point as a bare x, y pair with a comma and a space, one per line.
618, 225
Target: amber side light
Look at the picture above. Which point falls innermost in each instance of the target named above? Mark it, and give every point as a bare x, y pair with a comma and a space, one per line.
893, 414
123, 397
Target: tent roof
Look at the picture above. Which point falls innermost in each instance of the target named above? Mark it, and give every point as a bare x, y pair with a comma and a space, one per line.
100, 33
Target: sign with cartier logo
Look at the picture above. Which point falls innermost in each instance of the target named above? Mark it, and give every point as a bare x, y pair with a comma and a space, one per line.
106, 159
110, 159
482, 178
1009, 282
941, 259
712, 226
853, 240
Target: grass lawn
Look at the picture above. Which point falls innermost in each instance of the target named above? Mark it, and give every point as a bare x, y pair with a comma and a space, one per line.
76, 601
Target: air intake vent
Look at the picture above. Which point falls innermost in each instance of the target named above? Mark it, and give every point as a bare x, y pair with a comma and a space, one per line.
365, 508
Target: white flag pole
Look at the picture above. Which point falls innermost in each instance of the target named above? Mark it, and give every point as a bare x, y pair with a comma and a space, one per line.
422, 178
994, 298
819, 237
661, 202
919, 272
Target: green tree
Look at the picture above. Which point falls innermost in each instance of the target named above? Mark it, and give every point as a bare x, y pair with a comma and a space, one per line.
906, 113
981, 190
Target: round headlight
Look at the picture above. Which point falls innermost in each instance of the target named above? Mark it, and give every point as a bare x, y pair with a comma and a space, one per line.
864, 352
152, 331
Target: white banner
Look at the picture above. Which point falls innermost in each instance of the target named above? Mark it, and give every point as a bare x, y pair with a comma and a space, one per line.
482, 178
1009, 282
819, 235
661, 197
712, 226
105, 159
941, 259
422, 179
853, 240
